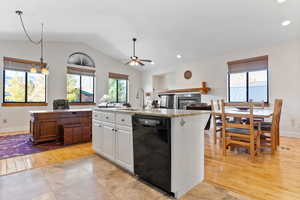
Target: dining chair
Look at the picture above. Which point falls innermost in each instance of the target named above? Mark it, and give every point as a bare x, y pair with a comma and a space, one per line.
270, 130
240, 134
216, 119
259, 105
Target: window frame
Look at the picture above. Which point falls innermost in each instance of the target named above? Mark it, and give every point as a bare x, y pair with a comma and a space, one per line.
26, 93
247, 86
117, 90
80, 102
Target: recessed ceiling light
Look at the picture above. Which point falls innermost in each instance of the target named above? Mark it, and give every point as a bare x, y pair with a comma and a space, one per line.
152, 63
178, 56
281, 1
286, 23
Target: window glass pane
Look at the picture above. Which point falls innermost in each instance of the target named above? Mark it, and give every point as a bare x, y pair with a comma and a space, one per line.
238, 91
112, 89
36, 87
258, 86
122, 91
14, 86
87, 89
73, 88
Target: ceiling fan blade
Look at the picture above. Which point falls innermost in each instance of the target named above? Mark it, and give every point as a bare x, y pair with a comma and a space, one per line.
128, 62
145, 60
138, 61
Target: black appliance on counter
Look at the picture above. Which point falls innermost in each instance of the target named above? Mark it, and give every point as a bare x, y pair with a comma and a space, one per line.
167, 101
59, 104
187, 99
152, 150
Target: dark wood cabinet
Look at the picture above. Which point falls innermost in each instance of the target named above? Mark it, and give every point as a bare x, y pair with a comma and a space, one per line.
52, 125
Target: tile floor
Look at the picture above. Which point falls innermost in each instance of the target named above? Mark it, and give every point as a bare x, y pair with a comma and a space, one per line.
92, 178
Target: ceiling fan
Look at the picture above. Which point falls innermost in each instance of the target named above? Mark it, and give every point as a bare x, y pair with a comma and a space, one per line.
134, 60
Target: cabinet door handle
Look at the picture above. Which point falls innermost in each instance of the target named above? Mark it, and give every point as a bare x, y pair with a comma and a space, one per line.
123, 120
99, 125
113, 129
106, 117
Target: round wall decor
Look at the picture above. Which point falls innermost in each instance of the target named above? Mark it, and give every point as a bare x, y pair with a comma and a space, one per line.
187, 74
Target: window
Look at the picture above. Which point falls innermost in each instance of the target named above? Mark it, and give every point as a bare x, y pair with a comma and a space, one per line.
118, 88
80, 88
21, 86
248, 80
80, 85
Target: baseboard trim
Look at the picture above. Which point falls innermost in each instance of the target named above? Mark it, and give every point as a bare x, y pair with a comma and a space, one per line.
9, 130
290, 134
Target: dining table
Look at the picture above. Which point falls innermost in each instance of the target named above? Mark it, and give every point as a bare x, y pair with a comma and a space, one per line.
257, 112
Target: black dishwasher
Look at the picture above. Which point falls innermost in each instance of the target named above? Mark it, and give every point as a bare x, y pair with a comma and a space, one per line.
152, 150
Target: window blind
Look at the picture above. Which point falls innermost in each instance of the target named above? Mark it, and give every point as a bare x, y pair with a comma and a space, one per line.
17, 64
248, 65
81, 71
117, 76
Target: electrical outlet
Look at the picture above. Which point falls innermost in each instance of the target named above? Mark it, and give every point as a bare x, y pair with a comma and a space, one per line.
4, 121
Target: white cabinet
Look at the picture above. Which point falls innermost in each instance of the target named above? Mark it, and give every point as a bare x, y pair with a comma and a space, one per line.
123, 119
124, 147
112, 137
109, 140
97, 136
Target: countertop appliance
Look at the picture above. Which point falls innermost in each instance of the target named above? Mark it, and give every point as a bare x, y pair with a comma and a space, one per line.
152, 150
167, 101
60, 104
187, 99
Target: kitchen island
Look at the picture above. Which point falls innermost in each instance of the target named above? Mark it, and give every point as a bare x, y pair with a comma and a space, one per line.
164, 147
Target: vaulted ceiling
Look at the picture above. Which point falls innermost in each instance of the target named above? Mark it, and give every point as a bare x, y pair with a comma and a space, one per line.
164, 28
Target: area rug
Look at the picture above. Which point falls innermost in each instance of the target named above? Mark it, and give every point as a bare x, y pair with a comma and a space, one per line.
19, 145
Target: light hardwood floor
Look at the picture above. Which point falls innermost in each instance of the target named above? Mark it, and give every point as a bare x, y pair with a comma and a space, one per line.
271, 177
37, 160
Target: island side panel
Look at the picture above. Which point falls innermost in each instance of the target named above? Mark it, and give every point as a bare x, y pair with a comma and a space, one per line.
187, 152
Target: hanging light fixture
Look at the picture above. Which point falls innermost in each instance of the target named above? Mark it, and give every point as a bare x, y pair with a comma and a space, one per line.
44, 67
33, 69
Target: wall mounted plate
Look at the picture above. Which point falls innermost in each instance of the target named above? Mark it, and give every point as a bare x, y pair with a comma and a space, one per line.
187, 74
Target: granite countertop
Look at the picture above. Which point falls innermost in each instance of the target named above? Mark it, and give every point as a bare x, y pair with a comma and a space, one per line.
60, 111
156, 112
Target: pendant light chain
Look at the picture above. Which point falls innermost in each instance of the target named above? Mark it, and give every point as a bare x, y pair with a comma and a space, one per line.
40, 42
25, 31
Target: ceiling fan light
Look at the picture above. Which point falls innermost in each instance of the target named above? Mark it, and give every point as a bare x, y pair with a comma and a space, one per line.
132, 63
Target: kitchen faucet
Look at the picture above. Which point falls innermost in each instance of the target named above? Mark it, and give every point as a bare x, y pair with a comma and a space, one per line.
142, 102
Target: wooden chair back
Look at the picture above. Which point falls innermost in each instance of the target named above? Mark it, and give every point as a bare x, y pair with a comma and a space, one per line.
228, 124
259, 104
238, 137
276, 119
215, 127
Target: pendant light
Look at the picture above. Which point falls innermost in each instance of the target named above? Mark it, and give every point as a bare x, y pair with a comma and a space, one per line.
33, 69
43, 66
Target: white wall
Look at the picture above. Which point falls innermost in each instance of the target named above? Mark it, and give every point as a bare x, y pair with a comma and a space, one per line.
56, 54
284, 70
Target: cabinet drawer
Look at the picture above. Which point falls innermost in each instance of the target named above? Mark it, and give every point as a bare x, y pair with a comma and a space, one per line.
109, 117
123, 119
97, 115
